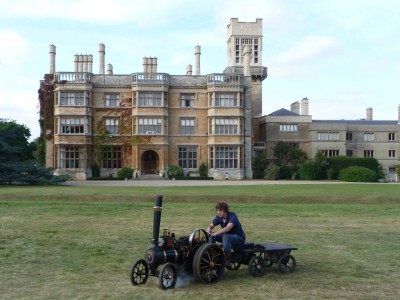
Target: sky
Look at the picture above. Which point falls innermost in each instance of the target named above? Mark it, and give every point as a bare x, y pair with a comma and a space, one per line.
342, 55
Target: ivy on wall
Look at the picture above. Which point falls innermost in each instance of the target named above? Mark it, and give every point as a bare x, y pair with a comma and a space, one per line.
46, 114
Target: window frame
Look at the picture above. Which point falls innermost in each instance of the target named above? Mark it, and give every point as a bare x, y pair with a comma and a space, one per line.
112, 126
112, 100
69, 126
149, 126
111, 157
188, 156
71, 157
187, 129
288, 127
187, 100
73, 98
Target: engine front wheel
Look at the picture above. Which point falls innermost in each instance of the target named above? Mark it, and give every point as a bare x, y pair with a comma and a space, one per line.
139, 272
168, 276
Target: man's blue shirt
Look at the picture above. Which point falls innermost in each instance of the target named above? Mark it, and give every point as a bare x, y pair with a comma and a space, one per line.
231, 218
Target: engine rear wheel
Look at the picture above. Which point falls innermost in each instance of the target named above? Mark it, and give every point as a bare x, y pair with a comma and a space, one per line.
168, 276
139, 272
209, 263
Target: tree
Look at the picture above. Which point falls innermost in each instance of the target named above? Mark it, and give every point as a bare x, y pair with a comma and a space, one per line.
17, 163
288, 158
16, 136
259, 166
14, 148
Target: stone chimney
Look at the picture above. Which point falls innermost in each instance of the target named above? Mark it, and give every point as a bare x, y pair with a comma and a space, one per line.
52, 51
197, 53
398, 112
145, 64
90, 63
76, 59
369, 114
189, 70
80, 63
304, 107
295, 107
109, 69
154, 65
102, 54
85, 63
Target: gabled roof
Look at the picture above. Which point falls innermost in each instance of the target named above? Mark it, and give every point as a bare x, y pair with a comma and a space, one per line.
283, 112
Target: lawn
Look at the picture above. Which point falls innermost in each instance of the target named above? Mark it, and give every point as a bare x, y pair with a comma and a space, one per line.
79, 242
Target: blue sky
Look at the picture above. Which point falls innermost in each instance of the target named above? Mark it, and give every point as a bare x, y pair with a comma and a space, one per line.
342, 55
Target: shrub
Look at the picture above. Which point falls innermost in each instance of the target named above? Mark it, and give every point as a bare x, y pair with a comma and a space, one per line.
125, 173
271, 172
310, 170
175, 171
259, 165
285, 172
358, 174
339, 163
95, 170
330, 173
203, 170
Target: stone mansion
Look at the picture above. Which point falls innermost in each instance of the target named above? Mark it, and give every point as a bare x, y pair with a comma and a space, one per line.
148, 120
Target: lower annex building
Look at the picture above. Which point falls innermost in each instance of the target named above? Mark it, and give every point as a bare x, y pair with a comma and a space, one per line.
149, 120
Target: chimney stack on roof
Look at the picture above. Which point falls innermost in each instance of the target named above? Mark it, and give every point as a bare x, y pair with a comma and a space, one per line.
197, 54
370, 114
102, 54
295, 107
304, 107
189, 70
52, 51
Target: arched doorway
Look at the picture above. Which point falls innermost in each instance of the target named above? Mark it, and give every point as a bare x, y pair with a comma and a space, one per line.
150, 162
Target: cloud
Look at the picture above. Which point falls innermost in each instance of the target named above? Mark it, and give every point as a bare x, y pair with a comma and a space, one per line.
310, 48
140, 12
304, 58
13, 49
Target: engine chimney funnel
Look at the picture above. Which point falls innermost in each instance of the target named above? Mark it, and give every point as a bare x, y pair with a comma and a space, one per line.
157, 220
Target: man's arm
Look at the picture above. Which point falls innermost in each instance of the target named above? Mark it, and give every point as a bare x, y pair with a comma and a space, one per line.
226, 229
210, 228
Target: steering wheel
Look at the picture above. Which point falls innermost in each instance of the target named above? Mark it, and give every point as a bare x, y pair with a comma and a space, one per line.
197, 238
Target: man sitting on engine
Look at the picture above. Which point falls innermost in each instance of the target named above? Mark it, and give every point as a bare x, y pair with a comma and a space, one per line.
231, 232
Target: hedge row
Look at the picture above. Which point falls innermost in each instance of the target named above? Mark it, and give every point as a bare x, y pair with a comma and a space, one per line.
331, 168
338, 163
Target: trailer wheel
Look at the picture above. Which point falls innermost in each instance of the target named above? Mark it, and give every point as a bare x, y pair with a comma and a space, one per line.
233, 266
257, 266
209, 263
287, 264
168, 276
268, 260
139, 272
